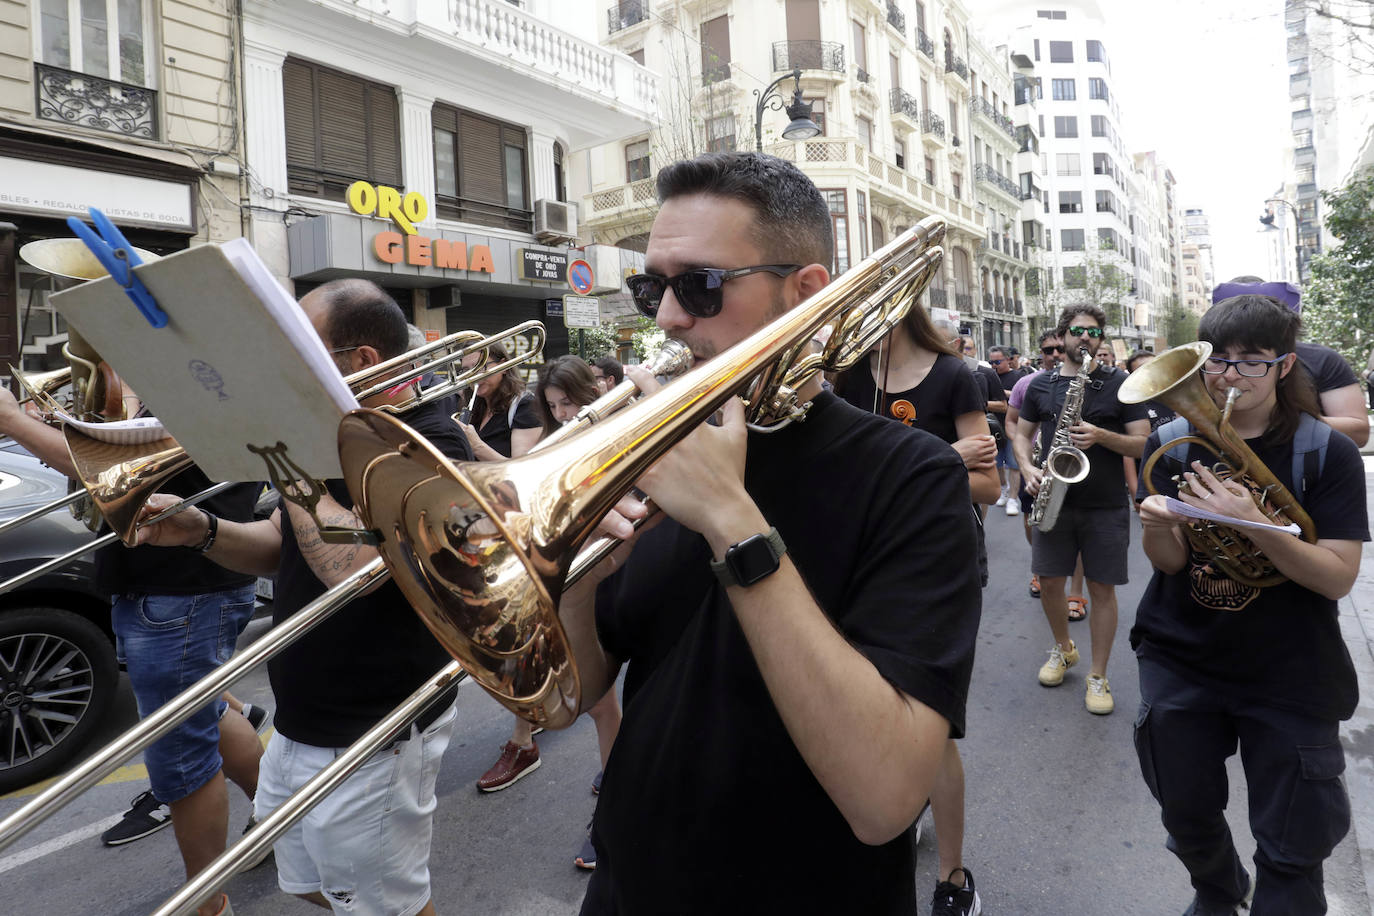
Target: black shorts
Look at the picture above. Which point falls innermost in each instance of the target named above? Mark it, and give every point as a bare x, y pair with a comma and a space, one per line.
1102, 536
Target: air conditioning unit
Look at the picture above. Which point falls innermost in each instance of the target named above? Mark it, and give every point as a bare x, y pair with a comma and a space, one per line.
555, 221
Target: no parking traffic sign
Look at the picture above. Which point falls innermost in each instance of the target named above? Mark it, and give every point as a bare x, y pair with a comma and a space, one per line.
580, 277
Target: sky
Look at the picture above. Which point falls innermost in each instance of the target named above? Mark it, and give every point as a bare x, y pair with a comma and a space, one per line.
1204, 83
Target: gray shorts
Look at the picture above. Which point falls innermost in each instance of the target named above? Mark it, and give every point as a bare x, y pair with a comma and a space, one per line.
1102, 536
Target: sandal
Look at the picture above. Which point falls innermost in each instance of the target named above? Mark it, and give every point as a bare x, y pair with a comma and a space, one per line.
1078, 608
586, 859
1035, 586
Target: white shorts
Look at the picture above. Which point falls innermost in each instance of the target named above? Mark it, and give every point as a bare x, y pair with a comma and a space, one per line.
366, 846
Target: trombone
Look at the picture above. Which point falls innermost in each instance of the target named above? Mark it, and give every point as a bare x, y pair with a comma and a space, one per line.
119, 479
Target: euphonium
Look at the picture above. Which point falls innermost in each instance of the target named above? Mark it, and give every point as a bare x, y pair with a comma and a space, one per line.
481, 550
1172, 379
1065, 465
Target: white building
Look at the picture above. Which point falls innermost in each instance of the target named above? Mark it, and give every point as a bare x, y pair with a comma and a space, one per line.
1197, 252
889, 84
459, 119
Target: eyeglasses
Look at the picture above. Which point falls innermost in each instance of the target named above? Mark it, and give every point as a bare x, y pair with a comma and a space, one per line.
1249, 368
1094, 333
344, 349
697, 291
1050, 351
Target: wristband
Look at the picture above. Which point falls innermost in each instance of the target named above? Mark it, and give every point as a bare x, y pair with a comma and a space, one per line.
210, 532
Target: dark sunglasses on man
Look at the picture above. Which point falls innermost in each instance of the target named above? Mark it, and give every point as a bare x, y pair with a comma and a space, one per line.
1050, 351
1094, 333
697, 291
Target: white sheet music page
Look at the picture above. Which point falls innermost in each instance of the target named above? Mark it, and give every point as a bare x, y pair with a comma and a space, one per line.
238, 363
1179, 507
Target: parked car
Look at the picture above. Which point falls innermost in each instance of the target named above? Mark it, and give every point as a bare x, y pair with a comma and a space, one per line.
58, 673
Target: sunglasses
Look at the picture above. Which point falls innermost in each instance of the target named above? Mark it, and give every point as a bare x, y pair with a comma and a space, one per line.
1094, 333
1050, 351
697, 291
996, 362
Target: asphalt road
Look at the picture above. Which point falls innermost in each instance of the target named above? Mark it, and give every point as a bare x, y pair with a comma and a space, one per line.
1059, 821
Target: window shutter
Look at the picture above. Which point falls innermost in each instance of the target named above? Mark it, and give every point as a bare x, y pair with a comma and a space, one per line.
479, 160
343, 126
384, 135
302, 133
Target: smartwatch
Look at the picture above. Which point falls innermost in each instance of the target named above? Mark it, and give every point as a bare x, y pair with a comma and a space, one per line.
751, 560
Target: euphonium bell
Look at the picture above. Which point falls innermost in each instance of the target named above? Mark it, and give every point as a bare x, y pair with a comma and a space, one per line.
1173, 378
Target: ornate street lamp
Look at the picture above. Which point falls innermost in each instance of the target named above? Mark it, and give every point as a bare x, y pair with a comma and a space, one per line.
801, 126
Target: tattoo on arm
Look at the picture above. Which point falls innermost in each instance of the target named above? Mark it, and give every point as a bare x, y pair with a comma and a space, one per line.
322, 557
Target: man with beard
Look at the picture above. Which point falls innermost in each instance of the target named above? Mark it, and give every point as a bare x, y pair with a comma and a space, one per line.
800, 629
1095, 518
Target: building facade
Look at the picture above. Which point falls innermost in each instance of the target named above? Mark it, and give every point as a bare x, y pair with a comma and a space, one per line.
426, 146
890, 86
131, 106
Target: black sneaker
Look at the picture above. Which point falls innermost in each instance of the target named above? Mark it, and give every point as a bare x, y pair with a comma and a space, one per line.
952, 900
1200, 907
257, 716
146, 815
254, 863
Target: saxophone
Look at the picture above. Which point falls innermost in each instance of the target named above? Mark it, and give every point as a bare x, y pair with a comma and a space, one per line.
1065, 464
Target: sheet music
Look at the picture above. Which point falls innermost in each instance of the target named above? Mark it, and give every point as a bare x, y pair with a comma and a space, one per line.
1179, 507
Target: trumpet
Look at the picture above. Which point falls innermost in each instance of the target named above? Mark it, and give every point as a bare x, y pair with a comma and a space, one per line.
482, 550
1172, 379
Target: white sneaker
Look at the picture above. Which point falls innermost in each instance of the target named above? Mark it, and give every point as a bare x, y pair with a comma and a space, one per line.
1002, 500
1014, 507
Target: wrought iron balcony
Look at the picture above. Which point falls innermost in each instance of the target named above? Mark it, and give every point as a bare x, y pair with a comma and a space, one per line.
983, 107
931, 123
955, 64
939, 298
904, 103
985, 173
987, 301
626, 13
923, 42
808, 55
963, 302
896, 18
1020, 308
91, 101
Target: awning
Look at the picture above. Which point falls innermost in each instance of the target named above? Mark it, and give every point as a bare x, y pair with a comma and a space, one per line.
107, 143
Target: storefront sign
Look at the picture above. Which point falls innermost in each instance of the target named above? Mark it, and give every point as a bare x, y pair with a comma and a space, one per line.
942, 314
553, 308
64, 190
581, 312
542, 265
407, 246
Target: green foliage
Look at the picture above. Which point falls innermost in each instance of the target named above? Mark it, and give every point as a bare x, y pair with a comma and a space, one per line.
1336, 297
600, 341
1178, 323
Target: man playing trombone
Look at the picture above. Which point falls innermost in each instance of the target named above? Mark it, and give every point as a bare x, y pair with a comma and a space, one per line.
800, 632
365, 849
175, 619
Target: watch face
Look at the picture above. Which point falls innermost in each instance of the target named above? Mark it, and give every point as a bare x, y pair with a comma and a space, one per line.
751, 560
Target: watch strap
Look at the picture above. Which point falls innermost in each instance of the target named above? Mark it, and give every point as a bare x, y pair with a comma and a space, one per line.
725, 573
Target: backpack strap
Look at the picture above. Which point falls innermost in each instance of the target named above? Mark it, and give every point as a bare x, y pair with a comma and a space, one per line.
1309, 453
1174, 429
514, 406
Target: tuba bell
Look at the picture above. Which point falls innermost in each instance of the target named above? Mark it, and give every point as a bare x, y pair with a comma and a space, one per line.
1173, 379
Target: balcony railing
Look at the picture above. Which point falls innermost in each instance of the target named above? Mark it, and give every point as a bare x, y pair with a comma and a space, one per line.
931, 123
626, 13
963, 302
923, 42
904, 103
90, 101
987, 301
808, 55
1020, 309
896, 18
939, 298
955, 64
985, 173
984, 107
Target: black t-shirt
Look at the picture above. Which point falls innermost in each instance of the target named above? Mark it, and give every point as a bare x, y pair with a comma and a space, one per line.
497, 429
1328, 369
339, 680
948, 391
1280, 645
877, 520
1008, 379
1105, 486
177, 570
992, 384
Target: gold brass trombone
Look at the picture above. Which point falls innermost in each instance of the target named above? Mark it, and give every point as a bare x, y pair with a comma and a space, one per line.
1173, 379
482, 549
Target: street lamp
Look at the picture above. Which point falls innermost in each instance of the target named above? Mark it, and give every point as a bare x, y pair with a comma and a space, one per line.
801, 127
1268, 220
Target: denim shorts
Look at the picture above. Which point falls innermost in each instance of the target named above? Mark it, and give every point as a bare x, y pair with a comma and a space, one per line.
366, 846
168, 642
1006, 458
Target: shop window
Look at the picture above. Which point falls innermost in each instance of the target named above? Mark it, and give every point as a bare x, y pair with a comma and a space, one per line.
340, 128
839, 224
481, 170
637, 161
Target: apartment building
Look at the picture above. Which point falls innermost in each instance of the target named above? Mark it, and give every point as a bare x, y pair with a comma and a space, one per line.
1197, 232
890, 86
1331, 92
425, 145
1157, 276
131, 106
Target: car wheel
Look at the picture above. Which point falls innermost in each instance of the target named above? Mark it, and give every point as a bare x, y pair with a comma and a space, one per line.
57, 677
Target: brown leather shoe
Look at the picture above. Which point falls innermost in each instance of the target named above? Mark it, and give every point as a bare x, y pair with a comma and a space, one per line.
515, 764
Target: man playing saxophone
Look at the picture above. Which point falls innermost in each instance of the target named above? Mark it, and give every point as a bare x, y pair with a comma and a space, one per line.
1095, 517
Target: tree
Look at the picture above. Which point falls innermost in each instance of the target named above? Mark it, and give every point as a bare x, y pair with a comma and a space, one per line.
1100, 278
1340, 282
1178, 323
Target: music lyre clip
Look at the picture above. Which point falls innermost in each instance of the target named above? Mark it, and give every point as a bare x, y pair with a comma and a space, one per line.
297, 487
118, 257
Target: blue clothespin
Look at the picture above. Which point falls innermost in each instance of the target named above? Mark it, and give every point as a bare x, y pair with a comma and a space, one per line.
118, 257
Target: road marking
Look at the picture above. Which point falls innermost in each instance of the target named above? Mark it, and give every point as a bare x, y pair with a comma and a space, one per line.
57, 844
